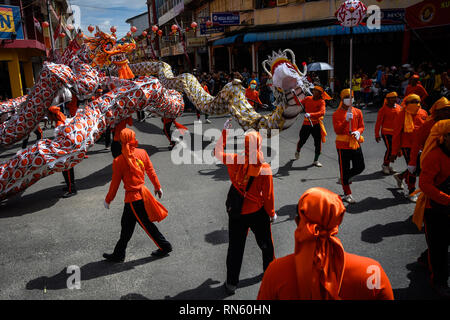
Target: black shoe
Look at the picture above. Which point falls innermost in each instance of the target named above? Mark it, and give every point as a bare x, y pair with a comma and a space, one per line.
113, 258
229, 289
69, 194
161, 253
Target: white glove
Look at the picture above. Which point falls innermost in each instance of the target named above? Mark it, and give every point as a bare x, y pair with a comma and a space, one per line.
228, 124
411, 169
349, 116
106, 204
159, 193
357, 134
307, 115
272, 219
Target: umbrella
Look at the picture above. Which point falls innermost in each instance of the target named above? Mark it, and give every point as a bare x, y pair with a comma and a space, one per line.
319, 66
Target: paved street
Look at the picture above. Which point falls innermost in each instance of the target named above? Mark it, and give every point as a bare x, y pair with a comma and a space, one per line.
42, 234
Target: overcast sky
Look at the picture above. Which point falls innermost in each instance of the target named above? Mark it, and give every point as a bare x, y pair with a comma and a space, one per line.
107, 13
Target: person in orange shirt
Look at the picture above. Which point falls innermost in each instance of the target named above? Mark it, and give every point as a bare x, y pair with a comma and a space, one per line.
252, 95
252, 178
433, 205
319, 268
69, 175
385, 120
313, 122
415, 87
140, 205
408, 122
348, 124
116, 147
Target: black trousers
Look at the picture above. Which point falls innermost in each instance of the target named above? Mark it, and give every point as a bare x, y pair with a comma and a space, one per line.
107, 137
305, 132
351, 163
116, 149
259, 223
437, 232
25, 141
135, 212
69, 178
387, 139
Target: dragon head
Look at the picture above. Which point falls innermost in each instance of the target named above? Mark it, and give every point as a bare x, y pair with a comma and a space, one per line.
106, 49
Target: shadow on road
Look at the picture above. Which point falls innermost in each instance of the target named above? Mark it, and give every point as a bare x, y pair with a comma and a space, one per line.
285, 170
289, 211
217, 237
19, 205
376, 233
89, 271
206, 291
419, 286
218, 174
370, 176
371, 203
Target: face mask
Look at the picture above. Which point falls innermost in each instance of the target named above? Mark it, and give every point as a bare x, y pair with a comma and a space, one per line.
347, 101
252, 86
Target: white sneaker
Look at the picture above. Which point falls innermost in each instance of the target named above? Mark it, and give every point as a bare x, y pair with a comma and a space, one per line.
317, 164
413, 198
199, 121
208, 121
385, 169
297, 155
399, 180
348, 198
391, 170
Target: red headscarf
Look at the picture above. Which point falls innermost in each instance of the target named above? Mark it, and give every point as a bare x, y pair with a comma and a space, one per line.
319, 254
129, 144
253, 161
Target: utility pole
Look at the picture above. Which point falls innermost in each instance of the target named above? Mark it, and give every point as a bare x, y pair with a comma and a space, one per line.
50, 25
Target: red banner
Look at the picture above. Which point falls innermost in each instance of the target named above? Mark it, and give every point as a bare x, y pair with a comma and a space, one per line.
428, 13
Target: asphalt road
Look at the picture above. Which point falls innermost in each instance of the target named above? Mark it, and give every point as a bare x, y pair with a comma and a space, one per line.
42, 234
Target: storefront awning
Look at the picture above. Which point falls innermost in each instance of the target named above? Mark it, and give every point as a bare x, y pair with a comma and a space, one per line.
225, 41
316, 32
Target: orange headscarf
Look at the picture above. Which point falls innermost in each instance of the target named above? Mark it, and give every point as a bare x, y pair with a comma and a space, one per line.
319, 254
253, 161
410, 111
325, 95
438, 105
439, 130
392, 94
155, 210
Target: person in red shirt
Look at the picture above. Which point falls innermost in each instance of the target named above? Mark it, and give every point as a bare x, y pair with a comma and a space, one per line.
433, 204
252, 95
415, 87
205, 87
385, 120
313, 122
116, 147
348, 124
408, 122
140, 205
69, 175
258, 206
319, 268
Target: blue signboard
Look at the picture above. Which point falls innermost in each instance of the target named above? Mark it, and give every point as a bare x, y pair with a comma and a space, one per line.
10, 23
392, 16
209, 30
226, 18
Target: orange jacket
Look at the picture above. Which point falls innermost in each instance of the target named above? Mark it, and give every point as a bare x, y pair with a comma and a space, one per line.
60, 117
341, 126
417, 89
253, 95
120, 126
316, 109
435, 170
402, 139
132, 186
386, 119
419, 140
261, 191
279, 281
